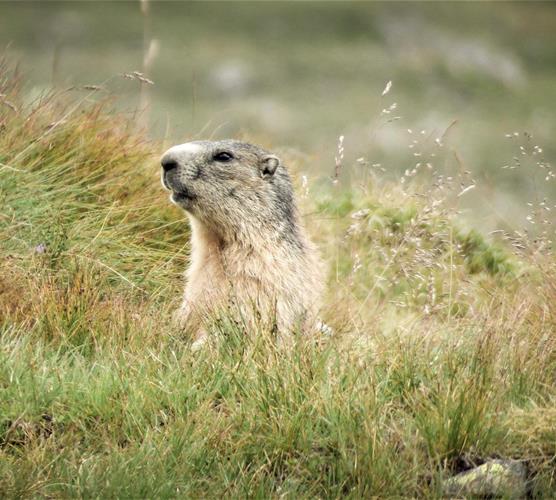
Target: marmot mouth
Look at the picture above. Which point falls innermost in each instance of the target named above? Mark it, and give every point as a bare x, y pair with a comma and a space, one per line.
182, 196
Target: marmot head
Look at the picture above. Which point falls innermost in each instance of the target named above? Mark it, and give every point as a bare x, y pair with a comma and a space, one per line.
235, 188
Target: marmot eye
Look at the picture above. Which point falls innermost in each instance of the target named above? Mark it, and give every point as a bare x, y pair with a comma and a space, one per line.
223, 157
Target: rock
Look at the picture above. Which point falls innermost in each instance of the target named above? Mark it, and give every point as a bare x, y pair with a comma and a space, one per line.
495, 478
232, 78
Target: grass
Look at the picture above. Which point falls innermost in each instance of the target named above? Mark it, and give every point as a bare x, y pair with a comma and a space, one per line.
443, 352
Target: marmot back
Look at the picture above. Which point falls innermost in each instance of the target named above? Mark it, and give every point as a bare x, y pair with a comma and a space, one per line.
248, 245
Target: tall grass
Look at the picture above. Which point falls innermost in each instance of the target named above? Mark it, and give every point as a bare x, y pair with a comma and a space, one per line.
443, 351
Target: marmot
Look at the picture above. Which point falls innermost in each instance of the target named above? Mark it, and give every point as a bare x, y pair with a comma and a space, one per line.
248, 246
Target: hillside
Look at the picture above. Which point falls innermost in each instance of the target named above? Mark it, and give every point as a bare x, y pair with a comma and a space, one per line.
299, 76
442, 352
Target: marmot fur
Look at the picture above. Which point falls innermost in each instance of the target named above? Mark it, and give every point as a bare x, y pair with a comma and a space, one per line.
248, 246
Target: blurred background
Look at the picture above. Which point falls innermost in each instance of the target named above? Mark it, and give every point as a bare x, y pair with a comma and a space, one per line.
473, 85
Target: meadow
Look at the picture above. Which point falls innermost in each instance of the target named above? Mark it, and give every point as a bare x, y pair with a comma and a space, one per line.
442, 352
298, 75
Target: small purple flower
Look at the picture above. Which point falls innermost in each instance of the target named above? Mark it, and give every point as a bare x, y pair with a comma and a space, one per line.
40, 248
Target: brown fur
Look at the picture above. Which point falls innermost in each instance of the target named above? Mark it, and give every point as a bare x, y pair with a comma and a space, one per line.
248, 247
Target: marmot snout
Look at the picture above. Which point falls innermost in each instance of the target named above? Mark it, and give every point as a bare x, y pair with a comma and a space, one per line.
248, 244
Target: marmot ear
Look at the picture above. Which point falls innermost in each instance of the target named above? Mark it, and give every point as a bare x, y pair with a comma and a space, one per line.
268, 166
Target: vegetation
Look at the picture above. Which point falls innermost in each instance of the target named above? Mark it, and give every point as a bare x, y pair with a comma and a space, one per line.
442, 351
302, 75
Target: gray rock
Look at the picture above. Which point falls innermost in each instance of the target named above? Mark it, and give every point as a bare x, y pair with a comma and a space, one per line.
231, 78
495, 478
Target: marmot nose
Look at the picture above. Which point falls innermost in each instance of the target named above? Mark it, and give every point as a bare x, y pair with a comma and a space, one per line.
168, 164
